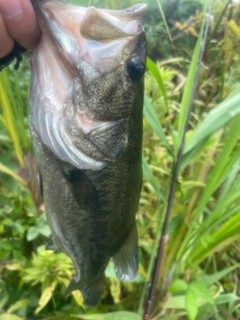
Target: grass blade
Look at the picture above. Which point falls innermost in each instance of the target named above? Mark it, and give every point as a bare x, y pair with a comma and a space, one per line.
186, 98
10, 123
151, 117
13, 174
147, 172
155, 71
225, 235
222, 164
216, 119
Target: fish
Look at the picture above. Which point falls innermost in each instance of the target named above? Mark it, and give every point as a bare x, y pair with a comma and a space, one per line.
86, 111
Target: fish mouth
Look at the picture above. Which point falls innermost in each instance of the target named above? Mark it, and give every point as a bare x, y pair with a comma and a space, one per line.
79, 48
76, 33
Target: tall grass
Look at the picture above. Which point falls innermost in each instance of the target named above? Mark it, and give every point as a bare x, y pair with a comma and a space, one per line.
209, 186
14, 109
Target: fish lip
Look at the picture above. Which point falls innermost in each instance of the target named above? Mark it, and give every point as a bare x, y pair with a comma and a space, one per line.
137, 9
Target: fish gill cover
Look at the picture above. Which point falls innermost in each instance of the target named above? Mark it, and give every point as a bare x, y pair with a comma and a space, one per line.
86, 101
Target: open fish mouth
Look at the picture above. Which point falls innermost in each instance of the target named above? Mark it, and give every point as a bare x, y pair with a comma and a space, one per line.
86, 101
78, 46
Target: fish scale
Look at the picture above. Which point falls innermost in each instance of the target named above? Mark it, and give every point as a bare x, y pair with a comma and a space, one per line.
89, 157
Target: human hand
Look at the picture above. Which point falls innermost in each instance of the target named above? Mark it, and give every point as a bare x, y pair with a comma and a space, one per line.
17, 23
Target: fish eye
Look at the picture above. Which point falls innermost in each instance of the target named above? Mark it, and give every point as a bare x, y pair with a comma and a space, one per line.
135, 68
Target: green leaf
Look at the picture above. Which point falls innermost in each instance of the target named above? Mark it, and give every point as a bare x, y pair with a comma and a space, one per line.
3, 298
225, 235
178, 286
33, 233
45, 230
201, 291
227, 298
120, 315
6, 170
216, 119
77, 295
11, 121
7, 316
154, 70
19, 227
152, 118
15, 109
46, 296
147, 172
18, 305
177, 302
208, 280
191, 304
115, 289
188, 91
218, 173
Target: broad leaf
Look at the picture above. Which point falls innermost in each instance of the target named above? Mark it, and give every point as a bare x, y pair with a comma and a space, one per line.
178, 286
191, 304
201, 291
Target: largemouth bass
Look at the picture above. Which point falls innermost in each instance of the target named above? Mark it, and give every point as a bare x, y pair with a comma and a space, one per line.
86, 101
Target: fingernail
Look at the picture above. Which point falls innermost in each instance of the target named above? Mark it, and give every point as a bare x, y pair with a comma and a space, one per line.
11, 8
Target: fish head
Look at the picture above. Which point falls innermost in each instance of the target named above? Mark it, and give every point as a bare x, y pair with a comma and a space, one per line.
87, 72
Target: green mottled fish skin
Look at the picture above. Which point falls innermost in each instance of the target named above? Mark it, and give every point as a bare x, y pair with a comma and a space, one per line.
91, 213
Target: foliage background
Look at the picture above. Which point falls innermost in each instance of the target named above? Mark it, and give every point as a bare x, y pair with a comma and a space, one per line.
200, 275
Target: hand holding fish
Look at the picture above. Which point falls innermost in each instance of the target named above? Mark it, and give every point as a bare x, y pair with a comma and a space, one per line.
17, 24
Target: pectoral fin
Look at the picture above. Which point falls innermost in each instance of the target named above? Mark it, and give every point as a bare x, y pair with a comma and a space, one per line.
126, 259
82, 189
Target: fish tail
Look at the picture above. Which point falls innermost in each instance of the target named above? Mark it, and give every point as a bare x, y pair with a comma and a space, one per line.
126, 259
91, 290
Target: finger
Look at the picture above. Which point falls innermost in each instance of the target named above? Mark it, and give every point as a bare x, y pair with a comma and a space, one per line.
6, 41
20, 22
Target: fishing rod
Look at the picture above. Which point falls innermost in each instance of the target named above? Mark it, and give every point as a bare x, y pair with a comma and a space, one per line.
176, 168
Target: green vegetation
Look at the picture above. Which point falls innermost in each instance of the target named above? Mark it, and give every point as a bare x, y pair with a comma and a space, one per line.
200, 276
